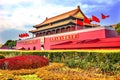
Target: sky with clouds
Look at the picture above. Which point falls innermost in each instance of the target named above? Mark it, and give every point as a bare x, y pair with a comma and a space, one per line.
18, 16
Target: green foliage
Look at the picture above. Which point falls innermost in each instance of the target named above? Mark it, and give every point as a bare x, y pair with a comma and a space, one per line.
2, 56
10, 43
117, 28
106, 60
106, 67
10, 53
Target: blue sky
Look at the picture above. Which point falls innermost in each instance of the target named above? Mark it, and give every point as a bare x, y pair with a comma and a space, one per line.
18, 16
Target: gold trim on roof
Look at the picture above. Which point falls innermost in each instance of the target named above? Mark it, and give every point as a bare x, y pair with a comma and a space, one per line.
62, 16
62, 23
54, 25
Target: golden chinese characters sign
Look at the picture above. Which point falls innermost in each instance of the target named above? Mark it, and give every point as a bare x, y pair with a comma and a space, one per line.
65, 37
42, 40
30, 42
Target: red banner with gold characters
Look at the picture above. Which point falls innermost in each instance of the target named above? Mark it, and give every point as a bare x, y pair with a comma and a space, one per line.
29, 42
65, 37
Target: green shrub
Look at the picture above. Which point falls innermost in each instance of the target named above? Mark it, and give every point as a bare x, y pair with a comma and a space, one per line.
2, 56
106, 60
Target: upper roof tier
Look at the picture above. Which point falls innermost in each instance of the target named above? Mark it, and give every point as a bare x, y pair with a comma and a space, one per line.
77, 13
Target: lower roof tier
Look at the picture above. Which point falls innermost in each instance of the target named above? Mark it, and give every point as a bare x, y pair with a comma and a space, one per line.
61, 24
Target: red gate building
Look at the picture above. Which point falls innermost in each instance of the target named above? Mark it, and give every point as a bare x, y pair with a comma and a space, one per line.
63, 32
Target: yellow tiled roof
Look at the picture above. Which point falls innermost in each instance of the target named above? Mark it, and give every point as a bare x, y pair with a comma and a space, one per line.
54, 25
60, 24
61, 16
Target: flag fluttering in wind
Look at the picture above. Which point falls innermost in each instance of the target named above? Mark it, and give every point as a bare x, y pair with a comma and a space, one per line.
79, 22
86, 20
26, 35
104, 16
94, 18
23, 35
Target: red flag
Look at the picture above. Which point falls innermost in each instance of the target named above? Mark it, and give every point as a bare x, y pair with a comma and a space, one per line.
79, 22
22, 35
104, 16
86, 20
94, 18
19, 35
25, 34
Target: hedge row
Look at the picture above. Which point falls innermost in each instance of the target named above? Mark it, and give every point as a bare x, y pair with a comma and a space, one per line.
106, 60
63, 55
2, 56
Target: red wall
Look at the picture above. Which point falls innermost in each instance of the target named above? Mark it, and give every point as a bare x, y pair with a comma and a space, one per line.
81, 36
47, 44
86, 34
102, 34
29, 44
103, 43
92, 34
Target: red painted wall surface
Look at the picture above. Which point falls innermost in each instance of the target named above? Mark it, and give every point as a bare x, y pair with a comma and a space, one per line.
108, 39
81, 36
86, 34
47, 44
92, 34
29, 44
105, 43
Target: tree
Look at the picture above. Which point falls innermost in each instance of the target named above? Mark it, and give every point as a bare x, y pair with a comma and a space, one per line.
117, 28
10, 43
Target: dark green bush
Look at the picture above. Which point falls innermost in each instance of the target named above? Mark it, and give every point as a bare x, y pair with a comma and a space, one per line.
2, 56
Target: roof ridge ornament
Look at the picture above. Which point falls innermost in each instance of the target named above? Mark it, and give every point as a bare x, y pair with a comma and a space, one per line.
46, 18
78, 7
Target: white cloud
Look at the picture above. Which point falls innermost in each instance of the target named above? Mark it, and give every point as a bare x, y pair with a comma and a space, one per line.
14, 15
8, 24
12, 2
20, 16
